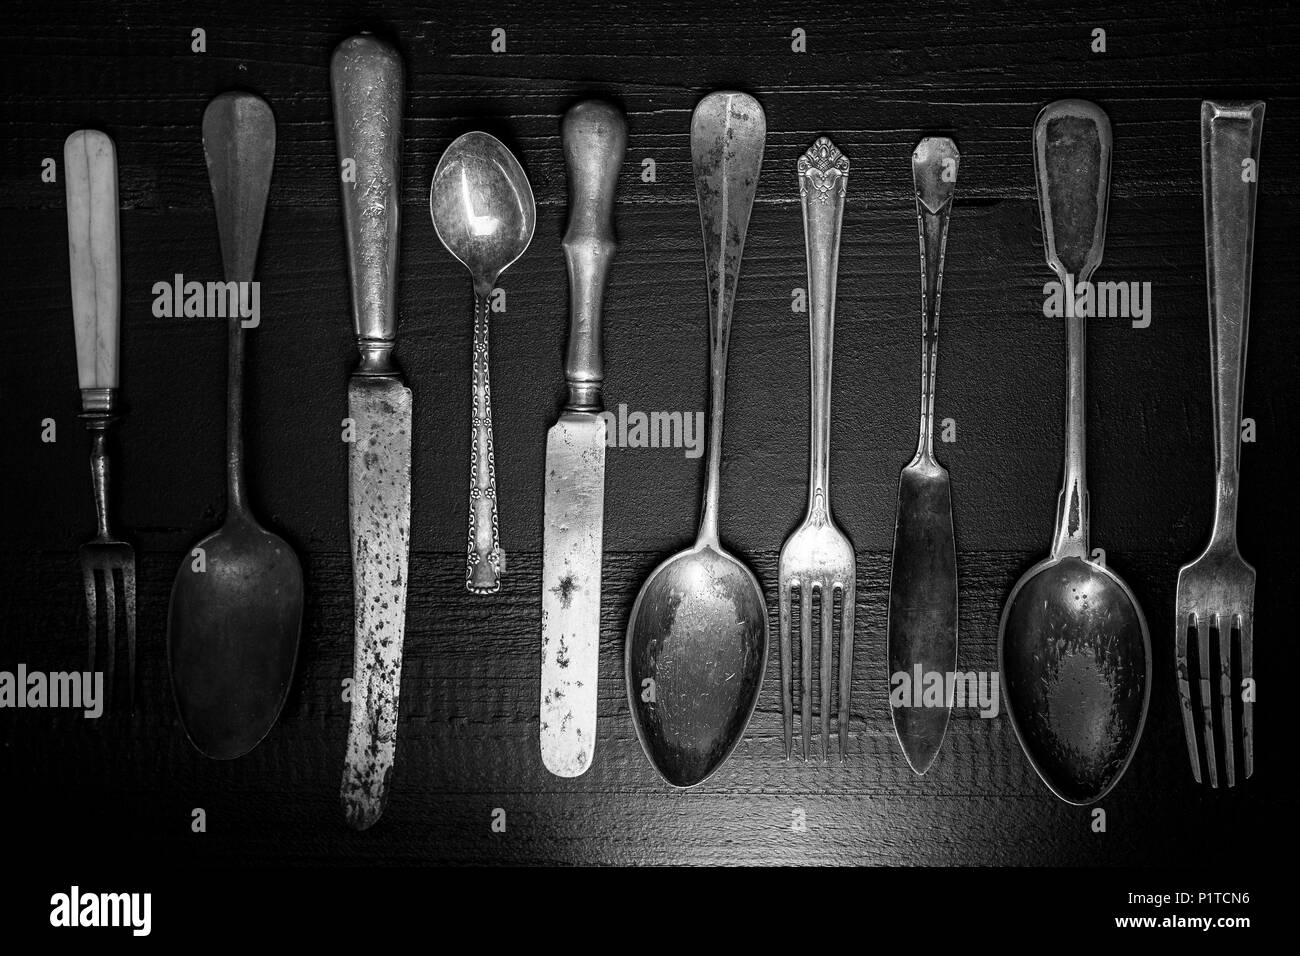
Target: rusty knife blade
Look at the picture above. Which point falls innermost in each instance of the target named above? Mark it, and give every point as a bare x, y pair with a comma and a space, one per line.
574, 524
379, 510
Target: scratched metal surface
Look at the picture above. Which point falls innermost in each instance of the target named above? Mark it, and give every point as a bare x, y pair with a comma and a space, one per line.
468, 739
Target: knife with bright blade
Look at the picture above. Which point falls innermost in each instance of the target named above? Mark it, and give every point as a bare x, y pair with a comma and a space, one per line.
594, 136
366, 75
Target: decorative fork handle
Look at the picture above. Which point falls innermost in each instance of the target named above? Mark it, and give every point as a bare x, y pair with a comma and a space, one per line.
1230, 146
90, 175
483, 569
934, 176
823, 181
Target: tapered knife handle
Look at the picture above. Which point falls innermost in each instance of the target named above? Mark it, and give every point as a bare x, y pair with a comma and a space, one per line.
1230, 147
90, 176
594, 135
934, 178
367, 79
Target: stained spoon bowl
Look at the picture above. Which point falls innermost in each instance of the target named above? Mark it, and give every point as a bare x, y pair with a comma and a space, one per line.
482, 205
232, 636
1075, 657
695, 657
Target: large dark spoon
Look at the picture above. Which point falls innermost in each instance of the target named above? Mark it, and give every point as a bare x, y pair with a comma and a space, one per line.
697, 638
236, 607
1073, 644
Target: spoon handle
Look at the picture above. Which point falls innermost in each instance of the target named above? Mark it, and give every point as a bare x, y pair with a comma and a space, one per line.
728, 131
934, 177
1072, 148
483, 568
1230, 142
823, 180
239, 143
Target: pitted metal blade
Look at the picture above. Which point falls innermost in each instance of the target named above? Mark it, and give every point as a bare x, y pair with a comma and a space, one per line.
379, 509
574, 520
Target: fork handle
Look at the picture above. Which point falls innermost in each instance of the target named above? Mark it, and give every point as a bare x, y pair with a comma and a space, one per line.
90, 178
1230, 144
823, 180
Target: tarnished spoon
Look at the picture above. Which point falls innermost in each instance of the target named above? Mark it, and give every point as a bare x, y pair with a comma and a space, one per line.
697, 638
484, 213
1073, 644
236, 606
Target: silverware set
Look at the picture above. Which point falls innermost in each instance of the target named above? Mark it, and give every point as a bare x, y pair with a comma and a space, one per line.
1074, 650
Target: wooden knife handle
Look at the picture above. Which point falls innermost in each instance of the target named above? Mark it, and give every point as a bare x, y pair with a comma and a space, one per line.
594, 135
90, 176
367, 79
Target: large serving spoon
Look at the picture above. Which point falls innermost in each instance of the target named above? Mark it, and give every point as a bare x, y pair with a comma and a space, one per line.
1073, 644
484, 213
236, 606
697, 638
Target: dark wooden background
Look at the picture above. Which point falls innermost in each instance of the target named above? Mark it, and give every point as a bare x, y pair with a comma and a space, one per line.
876, 82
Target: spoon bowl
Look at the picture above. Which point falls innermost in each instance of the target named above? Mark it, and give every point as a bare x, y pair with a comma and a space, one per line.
1076, 658
695, 658
232, 636
482, 206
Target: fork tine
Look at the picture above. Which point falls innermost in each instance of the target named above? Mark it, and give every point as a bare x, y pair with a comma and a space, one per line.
1247, 707
110, 634
787, 672
805, 664
1225, 695
92, 610
128, 591
1207, 699
826, 600
1188, 621
846, 663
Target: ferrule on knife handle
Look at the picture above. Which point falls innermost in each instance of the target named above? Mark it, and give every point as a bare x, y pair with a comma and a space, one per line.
594, 136
367, 79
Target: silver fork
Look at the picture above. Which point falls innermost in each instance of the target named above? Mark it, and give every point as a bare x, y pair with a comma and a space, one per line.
90, 174
1216, 592
817, 560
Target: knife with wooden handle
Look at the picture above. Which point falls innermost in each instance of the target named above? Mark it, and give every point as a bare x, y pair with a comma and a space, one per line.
594, 137
366, 76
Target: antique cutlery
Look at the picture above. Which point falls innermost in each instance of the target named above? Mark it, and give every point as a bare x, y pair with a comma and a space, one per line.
817, 565
1216, 592
923, 579
236, 604
594, 136
484, 214
367, 79
1073, 644
90, 171
697, 638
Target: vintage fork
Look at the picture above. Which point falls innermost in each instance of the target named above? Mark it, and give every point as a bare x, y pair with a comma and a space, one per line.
1216, 592
90, 174
818, 559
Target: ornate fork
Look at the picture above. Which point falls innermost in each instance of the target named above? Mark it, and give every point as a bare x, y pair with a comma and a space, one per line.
817, 560
1216, 592
90, 173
